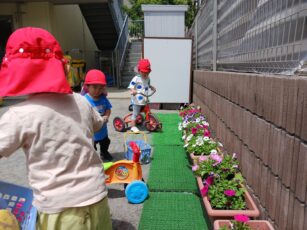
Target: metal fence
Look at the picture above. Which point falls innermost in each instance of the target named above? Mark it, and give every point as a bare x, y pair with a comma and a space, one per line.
251, 36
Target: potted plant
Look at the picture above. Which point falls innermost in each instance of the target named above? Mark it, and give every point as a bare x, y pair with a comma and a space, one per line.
188, 109
242, 222
192, 121
221, 187
200, 145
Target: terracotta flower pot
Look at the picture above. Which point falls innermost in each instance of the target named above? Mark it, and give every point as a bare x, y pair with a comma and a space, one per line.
253, 224
194, 158
251, 211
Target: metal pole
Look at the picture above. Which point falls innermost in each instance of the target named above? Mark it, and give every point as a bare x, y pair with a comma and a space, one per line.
214, 36
196, 41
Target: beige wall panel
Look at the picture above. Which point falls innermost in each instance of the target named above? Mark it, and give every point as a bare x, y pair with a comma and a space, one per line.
72, 32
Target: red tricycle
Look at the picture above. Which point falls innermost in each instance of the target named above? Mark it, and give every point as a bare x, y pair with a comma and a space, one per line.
151, 122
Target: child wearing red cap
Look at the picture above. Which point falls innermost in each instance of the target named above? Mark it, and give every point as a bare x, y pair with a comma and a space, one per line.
54, 127
138, 87
95, 82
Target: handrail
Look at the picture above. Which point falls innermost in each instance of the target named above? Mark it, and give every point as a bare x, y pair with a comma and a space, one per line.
120, 50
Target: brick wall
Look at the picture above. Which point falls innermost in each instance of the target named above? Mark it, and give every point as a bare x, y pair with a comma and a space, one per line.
264, 120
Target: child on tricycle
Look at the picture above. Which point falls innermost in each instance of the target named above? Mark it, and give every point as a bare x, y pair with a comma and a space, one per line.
140, 92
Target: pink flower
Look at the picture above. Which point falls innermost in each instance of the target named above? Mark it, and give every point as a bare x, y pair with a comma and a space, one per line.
230, 192
194, 130
195, 168
216, 158
241, 218
202, 158
204, 190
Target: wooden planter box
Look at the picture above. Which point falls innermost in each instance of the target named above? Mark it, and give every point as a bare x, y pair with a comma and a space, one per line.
251, 211
253, 224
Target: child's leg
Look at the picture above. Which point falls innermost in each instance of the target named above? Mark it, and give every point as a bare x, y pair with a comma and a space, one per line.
95, 216
104, 148
136, 111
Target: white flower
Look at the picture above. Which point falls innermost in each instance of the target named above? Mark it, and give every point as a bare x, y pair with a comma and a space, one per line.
220, 144
212, 141
189, 137
183, 137
194, 145
199, 141
180, 126
184, 124
206, 138
205, 123
186, 145
213, 151
197, 120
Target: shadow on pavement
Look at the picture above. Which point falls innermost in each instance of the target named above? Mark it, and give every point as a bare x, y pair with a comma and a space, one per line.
120, 225
115, 193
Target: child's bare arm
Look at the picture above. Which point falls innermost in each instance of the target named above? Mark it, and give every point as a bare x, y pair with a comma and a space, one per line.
133, 91
107, 115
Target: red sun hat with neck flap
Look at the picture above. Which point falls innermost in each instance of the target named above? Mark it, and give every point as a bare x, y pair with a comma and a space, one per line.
144, 66
33, 63
95, 76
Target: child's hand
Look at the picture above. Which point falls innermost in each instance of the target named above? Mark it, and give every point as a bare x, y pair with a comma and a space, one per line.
105, 119
133, 92
153, 88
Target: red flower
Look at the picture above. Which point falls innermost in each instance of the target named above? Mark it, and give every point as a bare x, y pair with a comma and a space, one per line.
204, 190
209, 180
194, 130
241, 218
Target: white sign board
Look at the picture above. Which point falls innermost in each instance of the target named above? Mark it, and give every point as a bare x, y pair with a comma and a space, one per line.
171, 68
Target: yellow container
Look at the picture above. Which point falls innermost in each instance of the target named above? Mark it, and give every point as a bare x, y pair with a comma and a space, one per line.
76, 72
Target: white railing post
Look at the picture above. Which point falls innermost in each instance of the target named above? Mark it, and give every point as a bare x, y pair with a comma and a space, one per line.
214, 35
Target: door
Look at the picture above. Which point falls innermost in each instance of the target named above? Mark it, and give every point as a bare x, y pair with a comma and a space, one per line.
5, 32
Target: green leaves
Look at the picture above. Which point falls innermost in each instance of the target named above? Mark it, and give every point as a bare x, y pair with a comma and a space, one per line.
135, 12
218, 198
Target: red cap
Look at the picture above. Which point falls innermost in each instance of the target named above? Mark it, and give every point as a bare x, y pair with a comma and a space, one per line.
144, 66
33, 63
95, 76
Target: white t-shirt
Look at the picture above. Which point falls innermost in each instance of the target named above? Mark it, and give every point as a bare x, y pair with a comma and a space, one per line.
55, 131
141, 85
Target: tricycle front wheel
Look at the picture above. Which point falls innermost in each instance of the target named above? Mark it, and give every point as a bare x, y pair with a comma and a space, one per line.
119, 124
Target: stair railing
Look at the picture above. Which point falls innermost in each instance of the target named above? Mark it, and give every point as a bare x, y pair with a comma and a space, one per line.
119, 52
117, 13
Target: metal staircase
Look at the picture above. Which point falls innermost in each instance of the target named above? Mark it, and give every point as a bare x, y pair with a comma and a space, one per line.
134, 53
100, 21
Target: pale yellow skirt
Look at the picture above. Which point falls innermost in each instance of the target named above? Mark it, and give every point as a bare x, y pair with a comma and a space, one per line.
93, 217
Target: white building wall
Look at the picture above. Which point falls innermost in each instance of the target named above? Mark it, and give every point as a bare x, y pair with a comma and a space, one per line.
164, 20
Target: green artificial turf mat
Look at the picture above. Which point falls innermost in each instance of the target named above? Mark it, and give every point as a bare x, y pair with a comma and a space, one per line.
169, 138
170, 171
169, 135
169, 118
172, 211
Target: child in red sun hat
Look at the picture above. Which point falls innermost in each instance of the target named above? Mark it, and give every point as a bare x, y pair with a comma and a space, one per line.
139, 86
95, 82
54, 127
